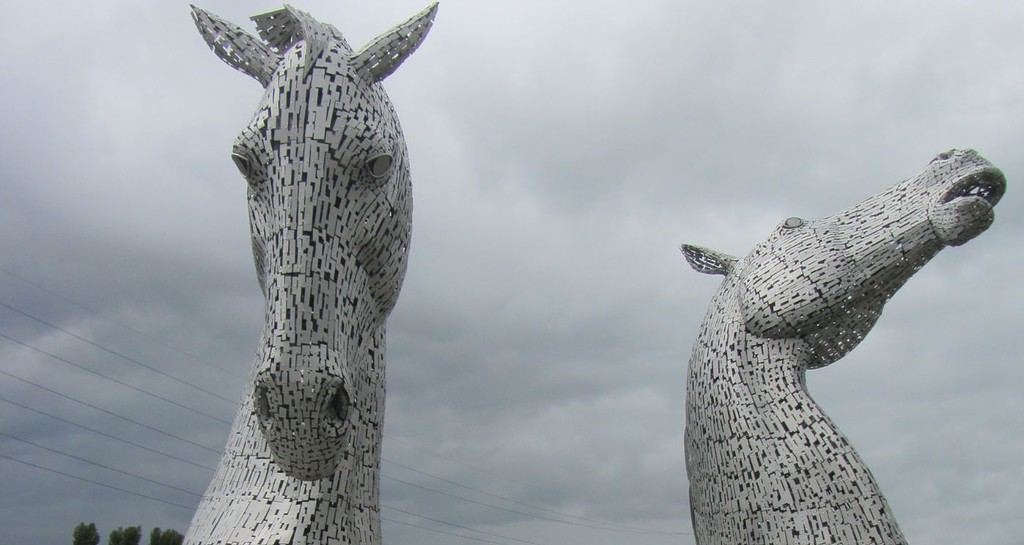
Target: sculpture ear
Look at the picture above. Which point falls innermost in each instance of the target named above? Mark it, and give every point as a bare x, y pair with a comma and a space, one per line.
382, 56
707, 261
238, 48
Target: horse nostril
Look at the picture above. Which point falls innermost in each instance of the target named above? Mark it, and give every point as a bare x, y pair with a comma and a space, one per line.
262, 402
340, 403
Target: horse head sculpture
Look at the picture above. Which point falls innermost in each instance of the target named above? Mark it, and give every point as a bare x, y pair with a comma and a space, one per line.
766, 465
330, 204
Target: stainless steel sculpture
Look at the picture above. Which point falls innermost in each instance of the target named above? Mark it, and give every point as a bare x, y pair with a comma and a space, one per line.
330, 208
766, 465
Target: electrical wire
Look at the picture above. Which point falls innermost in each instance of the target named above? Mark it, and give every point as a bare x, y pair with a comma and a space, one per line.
195, 494
420, 449
97, 483
97, 464
115, 353
112, 379
192, 508
111, 413
452, 524
621, 529
595, 523
531, 515
164, 343
407, 483
442, 532
610, 526
107, 435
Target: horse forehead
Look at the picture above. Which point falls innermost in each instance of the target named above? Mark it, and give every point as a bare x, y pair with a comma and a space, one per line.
817, 235
330, 81
324, 106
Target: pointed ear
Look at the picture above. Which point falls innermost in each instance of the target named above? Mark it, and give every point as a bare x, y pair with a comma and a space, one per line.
707, 261
382, 56
236, 47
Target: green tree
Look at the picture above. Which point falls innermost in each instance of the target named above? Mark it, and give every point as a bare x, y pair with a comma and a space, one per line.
125, 536
86, 534
165, 537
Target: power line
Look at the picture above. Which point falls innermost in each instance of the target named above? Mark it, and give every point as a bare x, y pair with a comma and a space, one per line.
97, 483
116, 353
531, 515
192, 508
112, 379
442, 532
409, 468
598, 524
421, 449
610, 526
135, 331
111, 413
91, 462
600, 527
452, 524
407, 483
151, 394
97, 464
107, 435
87, 308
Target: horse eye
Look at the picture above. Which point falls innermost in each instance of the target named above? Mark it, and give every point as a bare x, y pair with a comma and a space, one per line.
341, 403
793, 223
262, 403
380, 165
243, 163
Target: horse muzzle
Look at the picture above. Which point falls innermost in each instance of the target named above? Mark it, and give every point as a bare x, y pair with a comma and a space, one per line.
965, 209
306, 417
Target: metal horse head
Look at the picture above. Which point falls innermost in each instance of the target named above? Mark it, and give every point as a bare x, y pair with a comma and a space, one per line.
330, 214
765, 464
826, 280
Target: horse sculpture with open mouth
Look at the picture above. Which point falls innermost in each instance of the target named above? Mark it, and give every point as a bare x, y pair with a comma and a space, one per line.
766, 465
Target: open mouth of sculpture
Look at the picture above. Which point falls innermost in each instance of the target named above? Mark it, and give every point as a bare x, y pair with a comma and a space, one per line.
988, 184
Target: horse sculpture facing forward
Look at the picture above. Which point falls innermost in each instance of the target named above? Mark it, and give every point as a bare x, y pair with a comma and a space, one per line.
330, 209
766, 465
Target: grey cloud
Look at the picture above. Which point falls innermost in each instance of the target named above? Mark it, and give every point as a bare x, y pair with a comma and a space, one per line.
560, 153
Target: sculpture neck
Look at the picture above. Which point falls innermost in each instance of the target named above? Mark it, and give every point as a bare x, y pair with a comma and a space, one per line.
765, 463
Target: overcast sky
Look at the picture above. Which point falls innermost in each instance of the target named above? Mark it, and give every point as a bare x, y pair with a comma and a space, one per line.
560, 152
